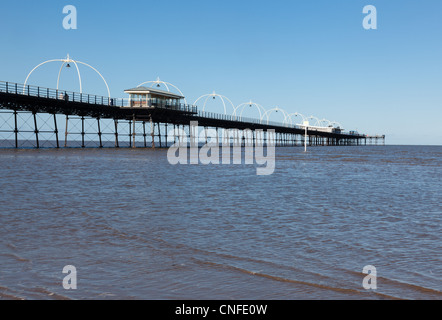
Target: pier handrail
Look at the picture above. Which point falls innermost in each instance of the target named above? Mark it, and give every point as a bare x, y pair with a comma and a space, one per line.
235, 118
71, 96
58, 94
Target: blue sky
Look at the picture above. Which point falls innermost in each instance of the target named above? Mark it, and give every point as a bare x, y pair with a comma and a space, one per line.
312, 57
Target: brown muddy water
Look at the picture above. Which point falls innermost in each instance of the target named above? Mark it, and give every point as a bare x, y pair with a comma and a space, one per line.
136, 227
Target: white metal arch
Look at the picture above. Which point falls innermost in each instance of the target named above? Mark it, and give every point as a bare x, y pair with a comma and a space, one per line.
336, 124
276, 109
85, 64
159, 82
326, 123
242, 106
214, 95
296, 114
35, 68
65, 61
78, 72
59, 73
318, 122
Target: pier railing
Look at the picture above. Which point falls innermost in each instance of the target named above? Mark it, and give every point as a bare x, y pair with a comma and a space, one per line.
71, 96
235, 118
57, 94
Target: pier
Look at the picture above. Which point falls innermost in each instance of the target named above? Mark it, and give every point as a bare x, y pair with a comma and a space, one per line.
34, 114
375, 140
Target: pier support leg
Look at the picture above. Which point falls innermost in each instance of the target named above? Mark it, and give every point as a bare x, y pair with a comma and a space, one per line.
167, 134
66, 132
133, 132
36, 130
159, 133
56, 131
16, 129
82, 132
253, 138
152, 132
117, 144
205, 134
130, 134
99, 133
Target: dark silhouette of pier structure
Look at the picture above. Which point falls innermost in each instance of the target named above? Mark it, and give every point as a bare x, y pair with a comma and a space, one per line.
32, 116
